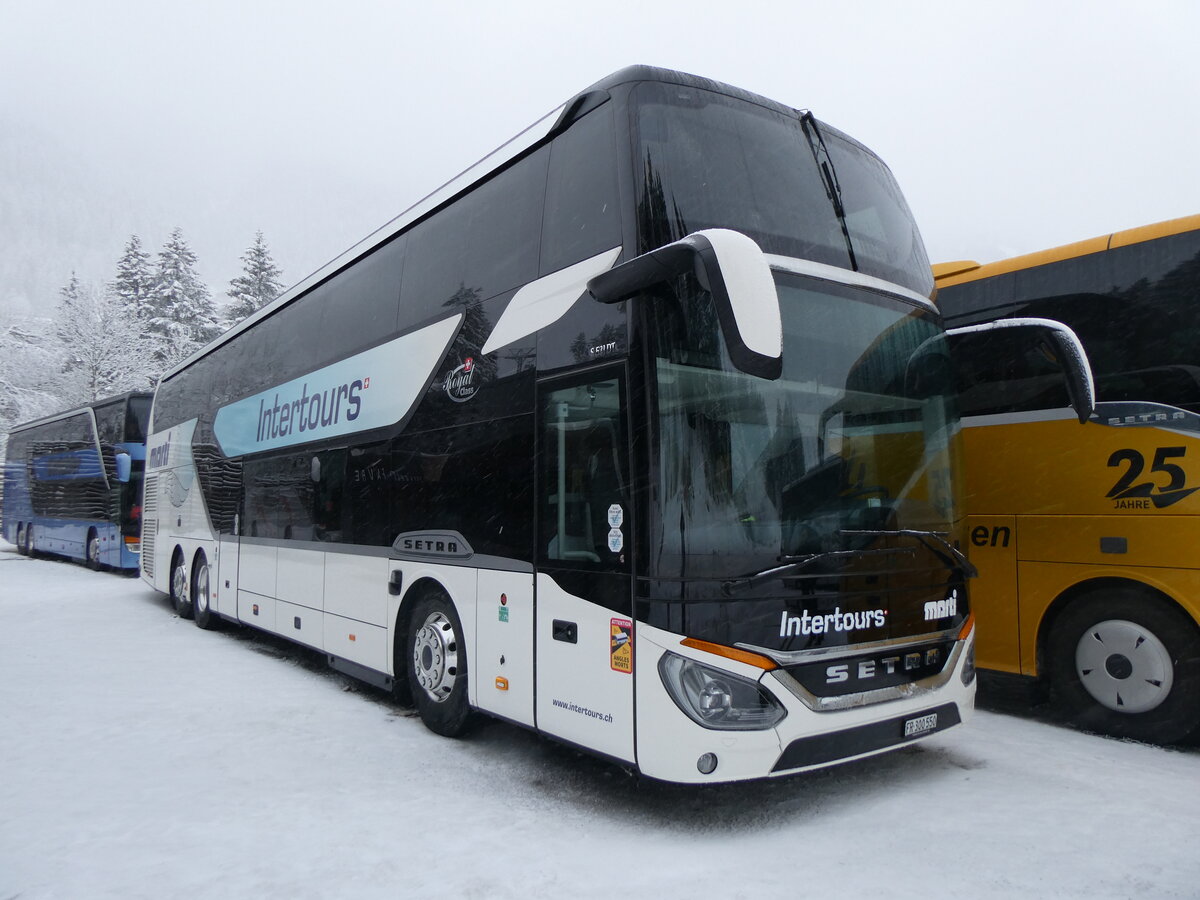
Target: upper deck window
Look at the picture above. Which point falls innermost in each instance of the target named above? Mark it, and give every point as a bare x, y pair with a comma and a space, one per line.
707, 160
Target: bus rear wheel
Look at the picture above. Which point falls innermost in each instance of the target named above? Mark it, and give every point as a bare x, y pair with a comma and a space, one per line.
180, 593
437, 666
1126, 663
21, 546
201, 605
92, 550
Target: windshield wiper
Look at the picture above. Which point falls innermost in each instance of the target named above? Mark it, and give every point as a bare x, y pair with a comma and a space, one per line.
833, 188
793, 564
952, 557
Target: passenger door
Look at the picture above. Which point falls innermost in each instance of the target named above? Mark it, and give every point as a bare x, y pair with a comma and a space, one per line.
584, 629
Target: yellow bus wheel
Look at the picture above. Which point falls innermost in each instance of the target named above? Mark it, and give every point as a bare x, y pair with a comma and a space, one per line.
1126, 662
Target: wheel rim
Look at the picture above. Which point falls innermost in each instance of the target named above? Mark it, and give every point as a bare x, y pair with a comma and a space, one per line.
435, 657
1124, 666
202, 589
179, 581
93, 550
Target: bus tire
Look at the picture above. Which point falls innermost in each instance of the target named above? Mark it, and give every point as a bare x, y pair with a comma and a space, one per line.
180, 584
30, 550
1126, 663
92, 550
22, 548
436, 663
201, 597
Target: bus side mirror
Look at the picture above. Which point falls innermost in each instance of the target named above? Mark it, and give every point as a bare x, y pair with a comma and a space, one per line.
124, 467
734, 269
1067, 348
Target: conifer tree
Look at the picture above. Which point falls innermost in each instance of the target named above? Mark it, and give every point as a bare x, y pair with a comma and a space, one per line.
180, 307
258, 284
134, 279
70, 306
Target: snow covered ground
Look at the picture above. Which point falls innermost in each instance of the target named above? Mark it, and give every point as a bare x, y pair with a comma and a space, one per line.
142, 757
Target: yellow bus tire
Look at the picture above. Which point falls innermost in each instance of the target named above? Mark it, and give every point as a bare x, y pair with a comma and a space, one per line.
1126, 662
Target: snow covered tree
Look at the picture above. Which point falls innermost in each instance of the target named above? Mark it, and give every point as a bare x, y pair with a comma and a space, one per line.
134, 279
30, 378
258, 284
180, 308
71, 299
106, 345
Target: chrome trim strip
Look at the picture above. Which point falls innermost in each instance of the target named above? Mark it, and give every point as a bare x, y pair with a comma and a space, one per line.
869, 698
797, 657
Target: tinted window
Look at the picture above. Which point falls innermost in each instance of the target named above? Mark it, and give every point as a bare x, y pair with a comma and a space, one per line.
710, 161
882, 230
136, 419
706, 160
1133, 308
360, 303
583, 477
481, 245
279, 497
110, 422
581, 193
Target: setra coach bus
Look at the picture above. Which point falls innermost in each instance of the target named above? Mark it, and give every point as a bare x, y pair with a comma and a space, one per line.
640, 433
1083, 537
73, 482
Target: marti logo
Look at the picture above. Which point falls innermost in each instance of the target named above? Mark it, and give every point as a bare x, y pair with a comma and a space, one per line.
460, 384
942, 609
161, 454
310, 412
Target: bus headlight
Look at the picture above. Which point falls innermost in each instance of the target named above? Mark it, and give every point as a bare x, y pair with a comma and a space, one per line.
716, 699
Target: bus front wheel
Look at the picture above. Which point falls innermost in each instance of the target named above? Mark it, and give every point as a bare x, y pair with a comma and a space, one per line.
22, 547
1127, 663
437, 666
180, 595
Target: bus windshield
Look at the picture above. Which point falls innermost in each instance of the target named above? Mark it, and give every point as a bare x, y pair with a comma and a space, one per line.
858, 434
709, 160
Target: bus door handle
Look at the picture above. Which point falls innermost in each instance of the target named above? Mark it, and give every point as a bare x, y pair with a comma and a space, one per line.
567, 632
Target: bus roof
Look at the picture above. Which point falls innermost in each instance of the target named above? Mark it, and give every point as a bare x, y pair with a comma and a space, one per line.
75, 410
951, 273
544, 128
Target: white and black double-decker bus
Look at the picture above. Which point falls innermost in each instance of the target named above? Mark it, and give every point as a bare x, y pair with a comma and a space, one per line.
639, 433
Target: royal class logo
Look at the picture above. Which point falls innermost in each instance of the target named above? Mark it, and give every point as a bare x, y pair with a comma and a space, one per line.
828, 623
460, 384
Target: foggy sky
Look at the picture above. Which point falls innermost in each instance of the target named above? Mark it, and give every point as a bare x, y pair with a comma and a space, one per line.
1011, 126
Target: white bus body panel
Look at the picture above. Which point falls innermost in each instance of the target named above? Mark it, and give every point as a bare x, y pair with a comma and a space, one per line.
300, 577
223, 585
300, 624
581, 698
256, 570
355, 587
502, 665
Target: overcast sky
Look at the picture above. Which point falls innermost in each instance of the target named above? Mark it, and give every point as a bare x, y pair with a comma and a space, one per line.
1011, 126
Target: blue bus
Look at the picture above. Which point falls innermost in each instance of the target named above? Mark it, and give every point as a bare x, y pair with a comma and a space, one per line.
73, 483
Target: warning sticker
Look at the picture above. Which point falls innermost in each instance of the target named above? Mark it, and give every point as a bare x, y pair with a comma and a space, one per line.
621, 648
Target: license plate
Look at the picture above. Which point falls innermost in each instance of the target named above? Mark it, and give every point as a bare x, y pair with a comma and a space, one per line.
920, 725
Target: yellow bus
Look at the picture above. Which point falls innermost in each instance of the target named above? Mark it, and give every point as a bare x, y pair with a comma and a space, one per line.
1086, 538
